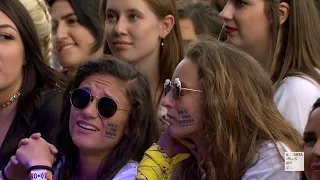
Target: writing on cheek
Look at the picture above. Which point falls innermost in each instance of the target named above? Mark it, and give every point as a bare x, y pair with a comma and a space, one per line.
185, 118
112, 130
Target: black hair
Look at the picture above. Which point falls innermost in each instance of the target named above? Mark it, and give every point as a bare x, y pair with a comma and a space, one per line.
87, 12
37, 76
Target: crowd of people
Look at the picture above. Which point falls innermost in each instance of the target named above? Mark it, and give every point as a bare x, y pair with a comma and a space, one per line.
159, 89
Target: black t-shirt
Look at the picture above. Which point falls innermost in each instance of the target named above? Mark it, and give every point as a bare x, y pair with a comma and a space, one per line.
45, 120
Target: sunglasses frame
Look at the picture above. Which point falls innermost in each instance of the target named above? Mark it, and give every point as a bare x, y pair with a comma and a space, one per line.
97, 104
177, 84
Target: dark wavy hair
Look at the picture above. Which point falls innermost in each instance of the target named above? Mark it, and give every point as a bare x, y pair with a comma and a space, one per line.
142, 121
87, 12
37, 76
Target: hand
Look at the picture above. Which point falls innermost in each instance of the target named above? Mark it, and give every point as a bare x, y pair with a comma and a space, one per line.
14, 170
172, 146
34, 152
36, 136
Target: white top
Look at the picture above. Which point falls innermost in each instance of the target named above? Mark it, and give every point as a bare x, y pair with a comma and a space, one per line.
270, 166
294, 99
128, 172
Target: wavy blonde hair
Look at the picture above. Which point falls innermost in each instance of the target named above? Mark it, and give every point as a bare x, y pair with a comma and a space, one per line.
41, 17
240, 114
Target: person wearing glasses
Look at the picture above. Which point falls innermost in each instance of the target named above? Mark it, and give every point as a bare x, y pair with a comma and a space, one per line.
109, 124
223, 122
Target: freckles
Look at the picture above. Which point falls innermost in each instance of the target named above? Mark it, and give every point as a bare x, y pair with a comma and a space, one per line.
112, 130
185, 118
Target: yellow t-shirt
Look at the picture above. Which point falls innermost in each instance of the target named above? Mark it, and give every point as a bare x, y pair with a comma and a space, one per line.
156, 165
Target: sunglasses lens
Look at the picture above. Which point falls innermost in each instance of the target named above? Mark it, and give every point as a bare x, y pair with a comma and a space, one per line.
80, 98
167, 89
176, 92
107, 107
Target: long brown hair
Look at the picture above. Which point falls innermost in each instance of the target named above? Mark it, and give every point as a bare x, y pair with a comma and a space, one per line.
37, 75
172, 51
240, 114
142, 128
296, 41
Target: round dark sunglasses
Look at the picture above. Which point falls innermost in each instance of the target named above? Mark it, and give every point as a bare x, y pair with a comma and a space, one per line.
81, 98
175, 88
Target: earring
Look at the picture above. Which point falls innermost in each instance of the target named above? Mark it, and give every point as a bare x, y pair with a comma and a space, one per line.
162, 41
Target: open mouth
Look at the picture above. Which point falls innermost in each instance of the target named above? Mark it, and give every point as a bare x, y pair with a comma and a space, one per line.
87, 127
66, 47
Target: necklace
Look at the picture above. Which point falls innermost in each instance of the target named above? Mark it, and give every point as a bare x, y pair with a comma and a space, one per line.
11, 100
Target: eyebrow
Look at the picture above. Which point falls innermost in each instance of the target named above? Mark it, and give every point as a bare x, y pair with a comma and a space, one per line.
2, 26
110, 10
133, 11
67, 15
127, 11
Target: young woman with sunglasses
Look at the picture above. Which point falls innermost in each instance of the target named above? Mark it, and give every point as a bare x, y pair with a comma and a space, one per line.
283, 35
221, 112
109, 123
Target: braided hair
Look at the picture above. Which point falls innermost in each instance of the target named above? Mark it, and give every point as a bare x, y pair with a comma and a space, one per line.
41, 17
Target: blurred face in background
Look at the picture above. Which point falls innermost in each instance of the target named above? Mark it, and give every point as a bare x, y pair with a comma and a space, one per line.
311, 148
73, 41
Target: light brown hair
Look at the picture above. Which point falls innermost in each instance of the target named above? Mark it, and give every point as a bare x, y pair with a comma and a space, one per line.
296, 42
240, 114
171, 52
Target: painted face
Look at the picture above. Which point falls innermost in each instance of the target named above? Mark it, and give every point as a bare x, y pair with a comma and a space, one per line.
11, 53
246, 23
95, 126
132, 30
73, 41
311, 148
183, 101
